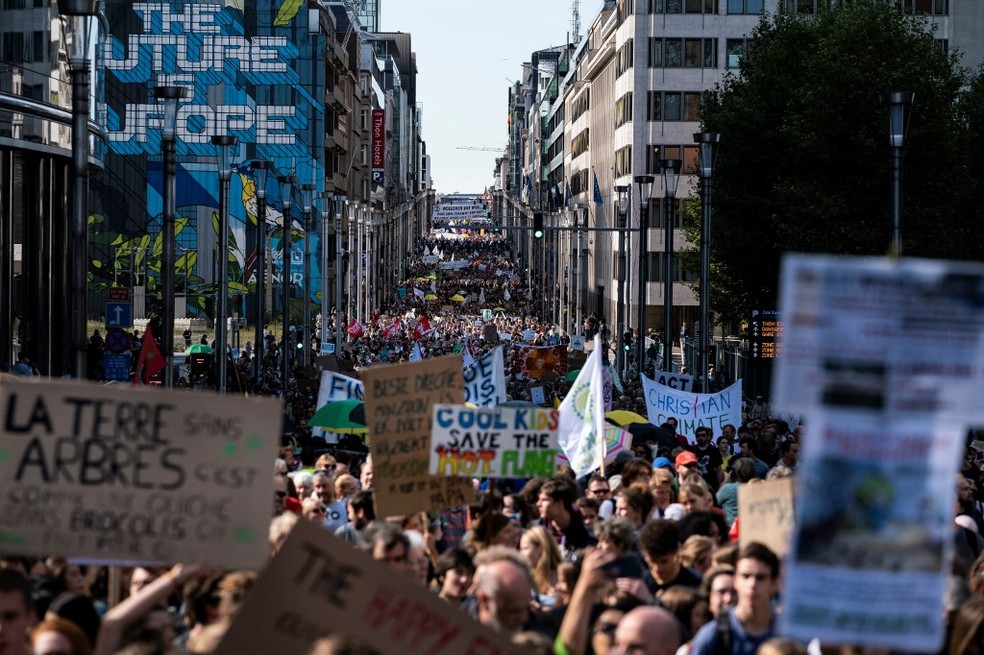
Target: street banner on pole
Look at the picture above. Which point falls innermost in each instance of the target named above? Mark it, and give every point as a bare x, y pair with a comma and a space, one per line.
399, 400
116, 473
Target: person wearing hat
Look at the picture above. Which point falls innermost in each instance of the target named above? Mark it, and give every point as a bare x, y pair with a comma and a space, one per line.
684, 463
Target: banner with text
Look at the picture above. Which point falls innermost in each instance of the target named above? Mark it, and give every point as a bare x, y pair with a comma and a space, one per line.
499, 442
318, 586
89, 471
691, 410
485, 380
335, 386
399, 400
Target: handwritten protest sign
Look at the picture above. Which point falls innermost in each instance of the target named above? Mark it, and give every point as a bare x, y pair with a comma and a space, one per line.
335, 386
399, 399
714, 410
318, 586
132, 474
766, 511
678, 381
485, 380
500, 442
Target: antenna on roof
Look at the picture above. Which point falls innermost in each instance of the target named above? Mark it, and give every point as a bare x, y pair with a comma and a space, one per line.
576, 20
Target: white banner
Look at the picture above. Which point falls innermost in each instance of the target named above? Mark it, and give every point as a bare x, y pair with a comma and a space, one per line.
677, 381
485, 380
500, 442
335, 386
691, 410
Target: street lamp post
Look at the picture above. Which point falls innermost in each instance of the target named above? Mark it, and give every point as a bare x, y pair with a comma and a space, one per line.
644, 182
708, 142
307, 191
261, 171
327, 197
621, 210
78, 14
671, 171
225, 144
286, 188
170, 95
900, 104
339, 207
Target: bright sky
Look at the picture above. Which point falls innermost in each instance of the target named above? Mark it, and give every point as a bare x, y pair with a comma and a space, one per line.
467, 53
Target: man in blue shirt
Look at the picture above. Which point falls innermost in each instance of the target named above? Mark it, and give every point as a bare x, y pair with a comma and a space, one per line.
752, 621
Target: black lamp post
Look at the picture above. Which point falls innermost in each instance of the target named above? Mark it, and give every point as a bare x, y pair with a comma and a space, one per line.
327, 198
170, 95
621, 211
644, 182
286, 188
708, 142
671, 176
307, 193
900, 104
261, 171
339, 323
224, 145
77, 15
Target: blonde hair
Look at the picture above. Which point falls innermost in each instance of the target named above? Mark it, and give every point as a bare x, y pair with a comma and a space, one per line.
660, 476
695, 550
545, 568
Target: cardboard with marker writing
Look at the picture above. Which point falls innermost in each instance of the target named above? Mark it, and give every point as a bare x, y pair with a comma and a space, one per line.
766, 512
127, 474
319, 586
399, 401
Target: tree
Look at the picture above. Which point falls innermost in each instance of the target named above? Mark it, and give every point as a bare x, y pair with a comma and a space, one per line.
804, 163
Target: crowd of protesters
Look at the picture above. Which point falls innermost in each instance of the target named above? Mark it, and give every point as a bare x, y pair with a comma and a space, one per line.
642, 559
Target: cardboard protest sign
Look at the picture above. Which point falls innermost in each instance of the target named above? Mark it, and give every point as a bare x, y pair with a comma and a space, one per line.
496, 442
335, 386
490, 333
132, 474
399, 399
537, 395
318, 586
485, 380
766, 511
692, 410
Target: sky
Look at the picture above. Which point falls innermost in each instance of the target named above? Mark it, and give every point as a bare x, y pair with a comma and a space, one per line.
468, 51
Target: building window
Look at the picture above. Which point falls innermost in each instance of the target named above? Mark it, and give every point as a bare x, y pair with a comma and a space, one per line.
930, 7
13, 48
683, 7
688, 53
38, 46
623, 58
623, 110
580, 143
745, 6
673, 106
581, 104
623, 161
942, 46
688, 154
734, 50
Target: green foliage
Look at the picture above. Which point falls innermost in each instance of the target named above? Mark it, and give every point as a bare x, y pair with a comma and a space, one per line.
804, 163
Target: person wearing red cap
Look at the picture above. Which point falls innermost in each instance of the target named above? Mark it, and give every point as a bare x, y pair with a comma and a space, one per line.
684, 463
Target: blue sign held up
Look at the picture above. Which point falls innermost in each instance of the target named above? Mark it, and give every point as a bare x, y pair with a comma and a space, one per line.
119, 315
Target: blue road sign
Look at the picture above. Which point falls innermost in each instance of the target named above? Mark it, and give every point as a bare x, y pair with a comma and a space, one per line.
117, 367
119, 314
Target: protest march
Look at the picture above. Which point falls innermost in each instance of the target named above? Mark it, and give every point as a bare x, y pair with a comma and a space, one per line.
457, 480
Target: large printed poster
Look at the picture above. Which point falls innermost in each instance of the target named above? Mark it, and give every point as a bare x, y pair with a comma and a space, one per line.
884, 360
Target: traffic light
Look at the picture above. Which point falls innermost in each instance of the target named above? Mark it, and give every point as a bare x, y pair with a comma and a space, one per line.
627, 340
537, 225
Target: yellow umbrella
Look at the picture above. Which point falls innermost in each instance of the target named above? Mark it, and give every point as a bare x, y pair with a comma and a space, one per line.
430, 296
458, 297
623, 417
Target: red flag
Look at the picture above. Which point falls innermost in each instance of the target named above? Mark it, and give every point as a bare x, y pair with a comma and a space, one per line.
392, 330
421, 328
151, 359
355, 329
